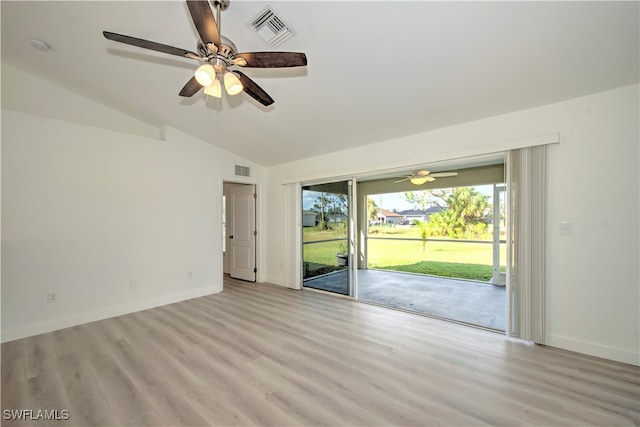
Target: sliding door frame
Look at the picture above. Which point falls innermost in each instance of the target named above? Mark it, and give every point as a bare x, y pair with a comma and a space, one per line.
352, 223
353, 238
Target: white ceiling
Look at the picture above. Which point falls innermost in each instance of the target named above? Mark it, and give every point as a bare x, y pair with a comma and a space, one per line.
377, 70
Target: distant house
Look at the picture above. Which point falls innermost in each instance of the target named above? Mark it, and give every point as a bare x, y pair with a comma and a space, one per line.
412, 214
336, 217
309, 219
420, 215
434, 210
388, 217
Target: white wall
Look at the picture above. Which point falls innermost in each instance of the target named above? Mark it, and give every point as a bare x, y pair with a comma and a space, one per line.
87, 209
593, 281
25, 93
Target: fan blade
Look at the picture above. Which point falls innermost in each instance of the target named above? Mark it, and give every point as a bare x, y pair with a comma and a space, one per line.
429, 178
146, 44
253, 90
443, 174
271, 59
205, 22
191, 88
402, 180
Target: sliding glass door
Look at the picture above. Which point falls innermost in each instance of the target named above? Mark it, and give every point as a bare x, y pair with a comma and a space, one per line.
327, 243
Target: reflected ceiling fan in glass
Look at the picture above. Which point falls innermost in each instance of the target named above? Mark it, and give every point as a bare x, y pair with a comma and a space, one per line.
423, 176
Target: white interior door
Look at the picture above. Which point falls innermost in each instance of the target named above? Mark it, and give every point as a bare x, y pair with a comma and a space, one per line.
241, 243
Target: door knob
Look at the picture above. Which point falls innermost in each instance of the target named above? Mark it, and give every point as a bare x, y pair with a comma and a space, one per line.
231, 237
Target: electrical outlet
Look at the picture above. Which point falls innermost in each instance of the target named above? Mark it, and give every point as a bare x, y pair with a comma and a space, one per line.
51, 298
132, 284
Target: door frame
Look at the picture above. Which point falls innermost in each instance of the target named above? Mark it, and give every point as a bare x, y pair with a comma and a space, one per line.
258, 240
352, 270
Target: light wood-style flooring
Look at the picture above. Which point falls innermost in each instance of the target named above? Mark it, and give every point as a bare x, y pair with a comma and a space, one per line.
259, 354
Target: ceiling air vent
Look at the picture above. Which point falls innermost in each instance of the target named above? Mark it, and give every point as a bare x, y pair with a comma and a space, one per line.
243, 170
271, 27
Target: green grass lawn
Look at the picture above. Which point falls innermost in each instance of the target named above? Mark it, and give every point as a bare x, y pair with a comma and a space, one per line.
322, 252
313, 234
464, 260
407, 232
445, 269
320, 258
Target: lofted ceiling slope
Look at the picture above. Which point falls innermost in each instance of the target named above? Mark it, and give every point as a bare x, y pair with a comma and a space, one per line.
377, 70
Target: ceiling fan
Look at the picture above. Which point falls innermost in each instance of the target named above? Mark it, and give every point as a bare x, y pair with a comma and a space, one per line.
218, 54
422, 176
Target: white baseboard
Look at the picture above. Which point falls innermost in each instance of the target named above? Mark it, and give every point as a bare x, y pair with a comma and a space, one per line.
275, 281
594, 349
281, 282
105, 313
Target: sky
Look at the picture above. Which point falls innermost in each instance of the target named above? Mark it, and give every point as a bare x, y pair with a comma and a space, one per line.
389, 201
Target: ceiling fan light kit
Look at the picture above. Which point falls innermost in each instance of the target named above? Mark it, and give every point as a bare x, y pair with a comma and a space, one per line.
205, 75
214, 90
218, 54
232, 83
419, 180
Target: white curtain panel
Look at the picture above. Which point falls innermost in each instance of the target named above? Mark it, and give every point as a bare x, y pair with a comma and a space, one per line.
526, 181
293, 240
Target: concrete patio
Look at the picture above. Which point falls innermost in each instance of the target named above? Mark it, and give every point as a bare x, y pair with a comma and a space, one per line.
476, 303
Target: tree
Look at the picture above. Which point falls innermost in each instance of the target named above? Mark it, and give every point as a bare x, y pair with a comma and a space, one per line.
329, 204
321, 206
465, 210
372, 209
338, 203
424, 232
421, 200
